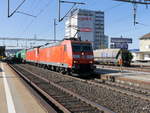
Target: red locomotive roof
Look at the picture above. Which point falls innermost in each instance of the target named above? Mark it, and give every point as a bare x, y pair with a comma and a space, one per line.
58, 43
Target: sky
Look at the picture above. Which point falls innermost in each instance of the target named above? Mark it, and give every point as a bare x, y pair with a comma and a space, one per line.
118, 19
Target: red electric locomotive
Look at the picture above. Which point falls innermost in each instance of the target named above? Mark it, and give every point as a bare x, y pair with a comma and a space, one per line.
71, 56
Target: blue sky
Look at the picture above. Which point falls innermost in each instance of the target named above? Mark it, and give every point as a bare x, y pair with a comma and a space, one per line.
118, 19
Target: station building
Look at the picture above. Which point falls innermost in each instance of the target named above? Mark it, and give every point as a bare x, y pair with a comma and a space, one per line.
88, 25
144, 51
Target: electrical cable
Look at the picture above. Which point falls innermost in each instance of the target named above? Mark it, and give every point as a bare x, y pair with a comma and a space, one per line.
115, 6
37, 15
33, 4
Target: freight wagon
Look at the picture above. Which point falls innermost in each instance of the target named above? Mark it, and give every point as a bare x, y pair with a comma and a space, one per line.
20, 56
112, 56
2, 52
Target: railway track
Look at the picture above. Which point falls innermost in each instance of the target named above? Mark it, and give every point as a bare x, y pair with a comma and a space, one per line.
125, 89
116, 99
64, 99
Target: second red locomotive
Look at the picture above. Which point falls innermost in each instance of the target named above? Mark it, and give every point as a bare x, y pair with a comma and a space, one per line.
72, 56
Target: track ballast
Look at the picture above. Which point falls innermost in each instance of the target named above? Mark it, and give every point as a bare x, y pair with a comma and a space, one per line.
111, 99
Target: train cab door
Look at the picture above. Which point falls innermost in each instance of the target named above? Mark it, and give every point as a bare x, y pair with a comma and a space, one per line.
36, 54
62, 54
65, 57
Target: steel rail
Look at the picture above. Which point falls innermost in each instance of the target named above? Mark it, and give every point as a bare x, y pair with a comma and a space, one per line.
127, 87
123, 91
99, 107
94, 82
61, 107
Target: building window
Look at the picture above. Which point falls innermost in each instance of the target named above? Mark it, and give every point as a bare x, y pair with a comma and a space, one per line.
97, 17
146, 47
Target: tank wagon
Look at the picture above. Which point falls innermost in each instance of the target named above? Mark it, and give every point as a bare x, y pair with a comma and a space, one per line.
67, 56
20, 56
2, 52
113, 56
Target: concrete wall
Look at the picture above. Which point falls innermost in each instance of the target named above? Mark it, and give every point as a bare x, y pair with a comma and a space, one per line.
144, 45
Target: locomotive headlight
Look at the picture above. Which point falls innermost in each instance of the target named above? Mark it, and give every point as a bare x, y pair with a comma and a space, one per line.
76, 56
89, 56
75, 62
91, 62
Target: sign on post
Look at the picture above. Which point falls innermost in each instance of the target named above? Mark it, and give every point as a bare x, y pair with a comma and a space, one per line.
121, 40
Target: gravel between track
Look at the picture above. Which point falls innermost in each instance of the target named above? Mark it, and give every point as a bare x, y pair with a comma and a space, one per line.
115, 101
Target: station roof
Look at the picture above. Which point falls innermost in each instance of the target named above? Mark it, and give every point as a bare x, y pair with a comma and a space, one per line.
145, 37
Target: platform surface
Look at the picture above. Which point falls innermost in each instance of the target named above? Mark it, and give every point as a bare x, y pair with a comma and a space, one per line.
14, 96
134, 75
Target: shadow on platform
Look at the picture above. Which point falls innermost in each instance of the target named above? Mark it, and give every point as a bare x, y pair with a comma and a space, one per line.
10, 77
1, 70
108, 71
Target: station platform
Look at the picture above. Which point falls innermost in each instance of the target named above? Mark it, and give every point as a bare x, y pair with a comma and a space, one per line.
135, 78
141, 63
15, 97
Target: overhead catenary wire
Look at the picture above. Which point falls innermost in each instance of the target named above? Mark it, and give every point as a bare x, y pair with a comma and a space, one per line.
20, 12
132, 31
135, 3
42, 10
112, 7
10, 14
37, 15
129, 17
106, 10
123, 19
115, 6
33, 5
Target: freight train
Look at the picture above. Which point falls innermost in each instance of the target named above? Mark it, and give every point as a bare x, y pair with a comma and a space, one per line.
113, 57
2, 52
67, 56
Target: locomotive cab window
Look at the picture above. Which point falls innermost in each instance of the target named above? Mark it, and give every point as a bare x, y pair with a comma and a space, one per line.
86, 47
81, 47
76, 48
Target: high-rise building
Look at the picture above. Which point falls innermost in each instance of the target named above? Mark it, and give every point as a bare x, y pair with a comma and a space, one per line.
88, 25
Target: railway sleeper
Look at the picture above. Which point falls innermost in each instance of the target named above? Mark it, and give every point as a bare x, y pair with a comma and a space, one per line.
85, 110
70, 103
66, 99
59, 91
76, 106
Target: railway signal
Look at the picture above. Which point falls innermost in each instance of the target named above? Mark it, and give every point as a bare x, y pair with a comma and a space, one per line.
135, 5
